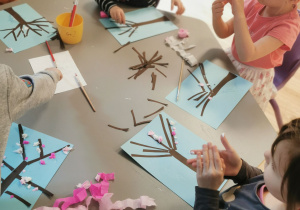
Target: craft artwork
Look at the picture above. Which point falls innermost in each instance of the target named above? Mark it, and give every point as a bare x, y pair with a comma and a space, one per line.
148, 64
98, 193
140, 24
210, 93
22, 28
31, 160
179, 46
66, 65
166, 143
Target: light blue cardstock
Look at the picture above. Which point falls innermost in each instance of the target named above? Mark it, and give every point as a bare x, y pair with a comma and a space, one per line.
141, 32
40, 174
170, 171
219, 106
21, 36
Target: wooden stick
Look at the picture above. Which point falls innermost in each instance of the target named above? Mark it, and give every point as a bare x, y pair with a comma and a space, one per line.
179, 83
157, 101
84, 93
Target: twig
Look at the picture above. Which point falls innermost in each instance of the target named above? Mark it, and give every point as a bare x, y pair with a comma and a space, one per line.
122, 47
157, 101
121, 129
154, 112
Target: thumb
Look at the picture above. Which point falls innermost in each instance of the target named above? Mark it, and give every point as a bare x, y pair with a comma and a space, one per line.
225, 142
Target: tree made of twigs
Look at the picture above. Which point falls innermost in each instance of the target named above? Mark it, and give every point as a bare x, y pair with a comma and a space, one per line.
205, 96
24, 27
15, 172
168, 150
132, 26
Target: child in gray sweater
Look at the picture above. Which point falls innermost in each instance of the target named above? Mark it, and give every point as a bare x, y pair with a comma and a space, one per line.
20, 94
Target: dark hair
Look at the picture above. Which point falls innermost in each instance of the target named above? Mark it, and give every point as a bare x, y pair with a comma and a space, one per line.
290, 132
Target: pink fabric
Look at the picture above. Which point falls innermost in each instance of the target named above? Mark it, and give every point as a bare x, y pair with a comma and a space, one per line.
261, 194
285, 28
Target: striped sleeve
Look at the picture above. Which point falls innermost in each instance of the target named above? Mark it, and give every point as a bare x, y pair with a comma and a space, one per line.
106, 5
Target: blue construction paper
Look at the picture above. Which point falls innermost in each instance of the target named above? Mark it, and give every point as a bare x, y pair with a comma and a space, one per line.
33, 39
168, 170
138, 16
40, 174
221, 105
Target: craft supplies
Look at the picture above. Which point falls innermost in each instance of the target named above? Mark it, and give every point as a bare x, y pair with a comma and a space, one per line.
85, 94
70, 35
179, 83
121, 129
50, 52
178, 46
73, 13
183, 33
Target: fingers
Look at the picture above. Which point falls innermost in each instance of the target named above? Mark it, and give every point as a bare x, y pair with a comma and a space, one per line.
199, 165
180, 7
216, 157
205, 156
172, 5
117, 14
226, 143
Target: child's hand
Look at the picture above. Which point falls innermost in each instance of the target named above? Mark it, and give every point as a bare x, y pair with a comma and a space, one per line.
180, 7
210, 169
57, 71
231, 159
117, 14
218, 8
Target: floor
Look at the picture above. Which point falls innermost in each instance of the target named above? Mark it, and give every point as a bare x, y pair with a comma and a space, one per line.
288, 98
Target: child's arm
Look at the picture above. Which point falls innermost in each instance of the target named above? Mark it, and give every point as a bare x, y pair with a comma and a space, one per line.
246, 49
29, 91
221, 28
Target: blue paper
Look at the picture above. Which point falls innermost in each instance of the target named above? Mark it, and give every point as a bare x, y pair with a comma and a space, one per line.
40, 174
220, 106
24, 41
168, 170
142, 32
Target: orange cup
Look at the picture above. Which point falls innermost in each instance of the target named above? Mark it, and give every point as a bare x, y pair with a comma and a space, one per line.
70, 35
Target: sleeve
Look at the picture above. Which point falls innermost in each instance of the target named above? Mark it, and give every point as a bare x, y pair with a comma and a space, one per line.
246, 172
287, 32
106, 5
206, 199
21, 98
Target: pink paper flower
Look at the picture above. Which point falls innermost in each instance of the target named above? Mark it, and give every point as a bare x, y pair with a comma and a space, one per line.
43, 145
12, 196
25, 142
173, 133
35, 189
26, 158
52, 156
160, 139
42, 162
183, 33
151, 133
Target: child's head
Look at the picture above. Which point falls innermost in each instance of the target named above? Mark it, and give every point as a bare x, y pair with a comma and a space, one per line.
282, 167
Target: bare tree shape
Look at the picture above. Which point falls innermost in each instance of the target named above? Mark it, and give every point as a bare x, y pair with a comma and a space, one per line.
170, 149
34, 25
134, 26
208, 95
15, 172
146, 64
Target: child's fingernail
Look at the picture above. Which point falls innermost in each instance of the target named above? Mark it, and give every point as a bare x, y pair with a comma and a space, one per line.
192, 152
223, 135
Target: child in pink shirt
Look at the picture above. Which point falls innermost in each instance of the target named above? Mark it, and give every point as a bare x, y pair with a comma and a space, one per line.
264, 30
